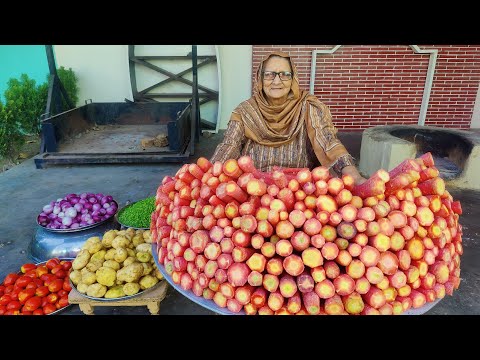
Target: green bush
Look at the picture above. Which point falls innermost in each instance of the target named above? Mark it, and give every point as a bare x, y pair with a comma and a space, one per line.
10, 137
25, 102
23, 99
69, 81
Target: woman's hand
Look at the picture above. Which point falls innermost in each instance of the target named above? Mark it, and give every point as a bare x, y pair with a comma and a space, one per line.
353, 172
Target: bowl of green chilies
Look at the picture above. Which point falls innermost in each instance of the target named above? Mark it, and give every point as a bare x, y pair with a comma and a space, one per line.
136, 215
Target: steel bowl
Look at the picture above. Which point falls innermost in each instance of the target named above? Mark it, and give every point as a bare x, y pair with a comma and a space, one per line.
79, 228
48, 244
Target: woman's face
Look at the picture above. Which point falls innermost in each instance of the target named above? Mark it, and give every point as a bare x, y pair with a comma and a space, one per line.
277, 90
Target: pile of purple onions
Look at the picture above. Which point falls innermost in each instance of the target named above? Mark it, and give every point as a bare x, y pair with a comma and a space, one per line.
76, 211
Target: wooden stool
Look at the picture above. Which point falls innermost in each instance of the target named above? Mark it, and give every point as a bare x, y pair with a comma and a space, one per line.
151, 299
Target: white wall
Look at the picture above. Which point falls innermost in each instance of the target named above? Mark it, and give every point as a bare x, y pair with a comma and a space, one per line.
104, 74
236, 73
475, 123
102, 71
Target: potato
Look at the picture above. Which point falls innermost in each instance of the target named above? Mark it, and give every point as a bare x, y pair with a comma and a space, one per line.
131, 252
147, 281
89, 278
82, 288
99, 256
131, 288
147, 236
93, 244
96, 290
120, 255
93, 266
129, 260
137, 240
115, 292
106, 276
75, 276
147, 269
110, 254
130, 232
120, 242
112, 264
130, 273
144, 257
108, 237
81, 260
144, 248
158, 274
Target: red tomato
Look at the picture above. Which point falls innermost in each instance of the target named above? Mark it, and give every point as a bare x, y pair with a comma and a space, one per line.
31, 285
5, 299
25, 312
62, 293
61, 274
52, 263
63, 301
42, 269
26, 267
66, 265
14, 305
38, 311
52, 298
33, 303
14, 293
26, 294
48, 278
10, 279
31, 273
44, 301
42, 291
8, 289
38, 281
56, 268
3, 308
49, 308
66, 285
55, 285
12, 312
22, 281
2, 290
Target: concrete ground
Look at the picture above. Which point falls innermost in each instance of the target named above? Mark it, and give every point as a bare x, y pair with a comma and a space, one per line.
24, 190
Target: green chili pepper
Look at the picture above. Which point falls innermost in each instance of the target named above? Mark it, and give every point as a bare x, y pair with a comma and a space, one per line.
138, 214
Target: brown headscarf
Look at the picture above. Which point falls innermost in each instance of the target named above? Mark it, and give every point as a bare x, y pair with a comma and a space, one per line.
275, 125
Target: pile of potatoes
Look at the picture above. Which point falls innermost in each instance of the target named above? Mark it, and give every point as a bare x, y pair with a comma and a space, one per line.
119, 264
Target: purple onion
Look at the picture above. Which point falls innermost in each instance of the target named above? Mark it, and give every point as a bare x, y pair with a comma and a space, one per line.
52, 216
75, 225
83, 195
96, 218
47, 209
67, 221
83, 223
92, 200
42, 219
96, 207
74, 200
84, 211
78, 207
102, 211
90, 222
56, 209
111, 211
61, 214
82, 201
106, 205
87, 206
71, 212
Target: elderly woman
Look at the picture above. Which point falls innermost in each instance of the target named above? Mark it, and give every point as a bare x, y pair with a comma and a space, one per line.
281, 125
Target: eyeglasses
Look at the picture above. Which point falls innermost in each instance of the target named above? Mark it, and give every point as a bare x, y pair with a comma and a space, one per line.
283, 75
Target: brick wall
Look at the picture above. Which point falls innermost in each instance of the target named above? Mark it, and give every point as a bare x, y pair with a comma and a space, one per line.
370, 85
